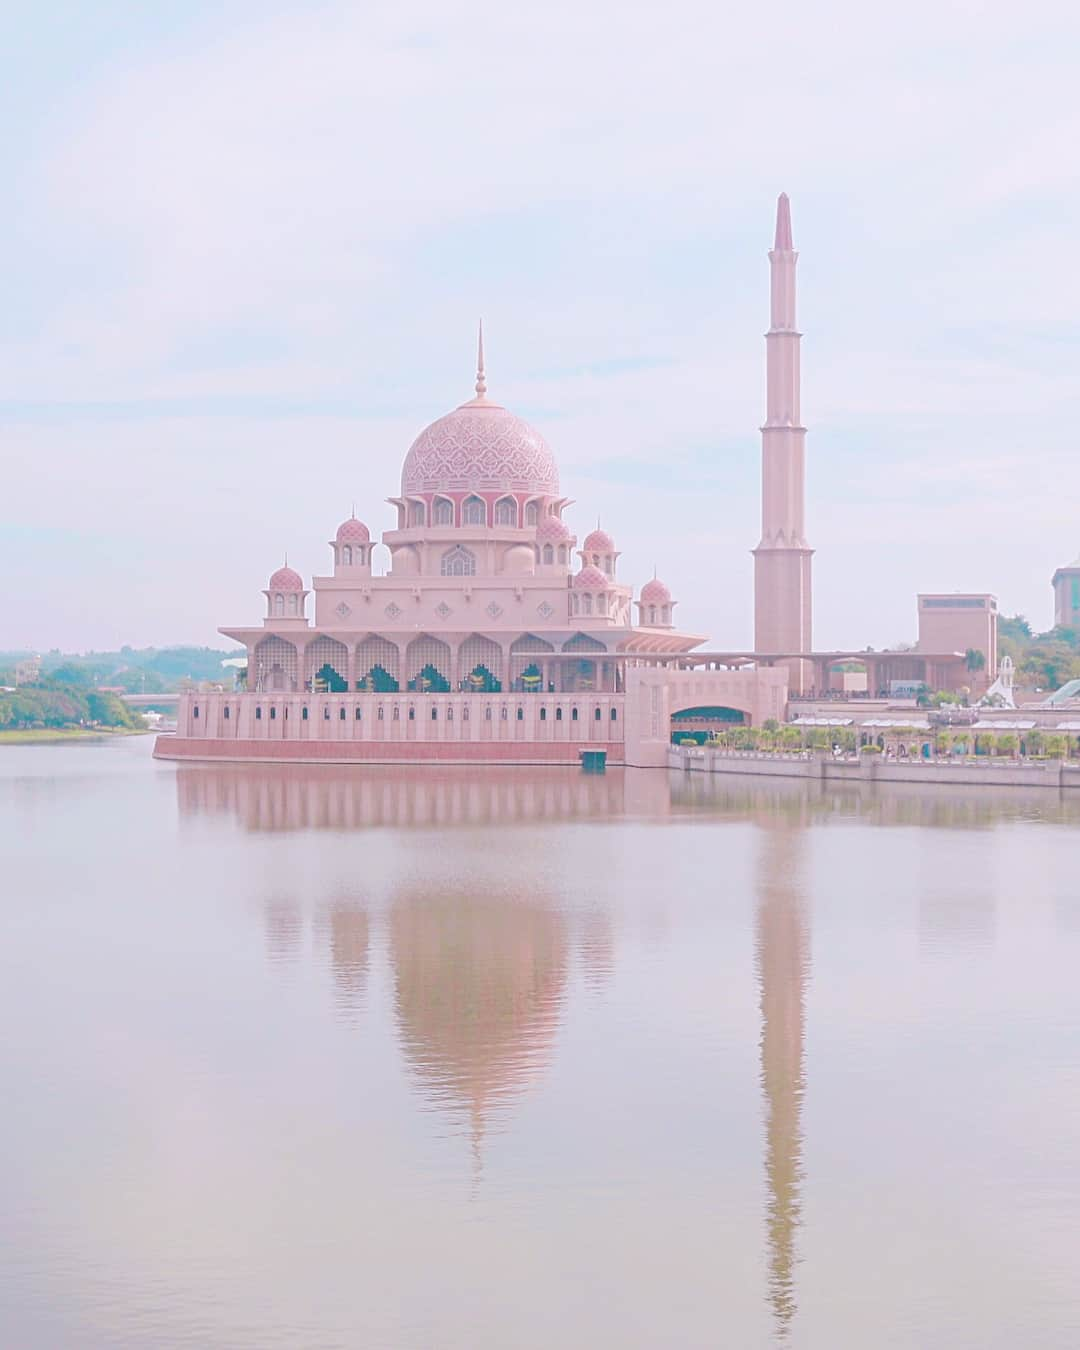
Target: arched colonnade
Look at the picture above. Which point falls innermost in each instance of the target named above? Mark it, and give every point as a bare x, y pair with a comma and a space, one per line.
426, 663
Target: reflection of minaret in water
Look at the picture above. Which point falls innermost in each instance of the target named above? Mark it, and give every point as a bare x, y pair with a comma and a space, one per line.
783, 966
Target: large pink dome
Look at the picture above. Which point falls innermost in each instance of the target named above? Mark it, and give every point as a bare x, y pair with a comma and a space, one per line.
480, 446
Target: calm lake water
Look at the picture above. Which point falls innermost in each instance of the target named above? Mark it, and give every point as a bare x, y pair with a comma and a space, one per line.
383, 1058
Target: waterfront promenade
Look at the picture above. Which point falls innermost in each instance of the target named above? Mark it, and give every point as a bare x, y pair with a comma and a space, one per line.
981, 771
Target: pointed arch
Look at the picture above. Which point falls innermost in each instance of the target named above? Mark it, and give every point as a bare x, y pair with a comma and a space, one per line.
480, 661
474, 511
378, 665
427, 665
326, 662
442, 512
275, 665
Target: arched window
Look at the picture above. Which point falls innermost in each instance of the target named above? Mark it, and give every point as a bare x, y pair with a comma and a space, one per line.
652, 613
573, 602
573, 714
303, 714
601, 604
549, 554
416, 513
226, 714
273, 714
380, 716
506, 511
458, 562
586, 604
346, 555
562, 553
487, 713
597, 715
341, 714
474, 512
443, 513
558, 714
543, 714
412, 714
279, 604
521, 714
608, 563
258, 714
434, 714
614, 715
666, 614
359, 714
532, 513
294, 601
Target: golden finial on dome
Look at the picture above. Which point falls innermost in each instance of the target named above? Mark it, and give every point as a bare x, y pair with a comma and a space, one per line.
481, 383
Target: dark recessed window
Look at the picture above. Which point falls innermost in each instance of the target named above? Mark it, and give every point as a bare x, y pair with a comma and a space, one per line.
195, 711
258, 714
273, 714
303, 714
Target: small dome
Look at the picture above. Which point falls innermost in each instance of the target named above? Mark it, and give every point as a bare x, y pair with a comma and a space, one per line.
655, 593
599, 541
353, 531
552, 530
591, 579
285, 579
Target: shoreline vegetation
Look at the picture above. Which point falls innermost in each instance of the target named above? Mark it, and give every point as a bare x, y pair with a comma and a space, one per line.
58, 735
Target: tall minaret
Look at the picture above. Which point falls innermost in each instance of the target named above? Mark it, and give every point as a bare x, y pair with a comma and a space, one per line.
782, 558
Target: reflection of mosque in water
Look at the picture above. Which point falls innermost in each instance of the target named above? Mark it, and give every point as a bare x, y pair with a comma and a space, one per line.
297, 797
479, 987
783, 968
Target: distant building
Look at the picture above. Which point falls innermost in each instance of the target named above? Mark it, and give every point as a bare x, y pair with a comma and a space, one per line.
1066, 584
961, 623
28, 671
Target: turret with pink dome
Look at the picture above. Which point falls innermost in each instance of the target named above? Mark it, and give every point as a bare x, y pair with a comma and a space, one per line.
285, 597
352, 547
599, 551
656, 605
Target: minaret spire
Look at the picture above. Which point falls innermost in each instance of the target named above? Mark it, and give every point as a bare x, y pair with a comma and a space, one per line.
782, 241
782, 592
481, 382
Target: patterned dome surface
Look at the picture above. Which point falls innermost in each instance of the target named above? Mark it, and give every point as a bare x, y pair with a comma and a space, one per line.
285, 579
552, 530
353, 531
591, 579
655, 593
599, 542
480, 446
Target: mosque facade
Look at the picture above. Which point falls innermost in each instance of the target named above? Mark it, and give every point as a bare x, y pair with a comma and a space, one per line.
496, 635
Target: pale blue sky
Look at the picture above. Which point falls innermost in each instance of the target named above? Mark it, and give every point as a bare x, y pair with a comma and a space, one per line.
246, 246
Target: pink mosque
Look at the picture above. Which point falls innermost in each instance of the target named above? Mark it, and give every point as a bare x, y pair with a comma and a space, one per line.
495, 636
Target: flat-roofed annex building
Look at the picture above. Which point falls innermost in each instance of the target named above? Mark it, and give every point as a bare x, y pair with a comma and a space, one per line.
961, 622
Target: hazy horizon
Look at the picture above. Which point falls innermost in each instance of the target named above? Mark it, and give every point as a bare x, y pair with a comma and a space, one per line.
247, 250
